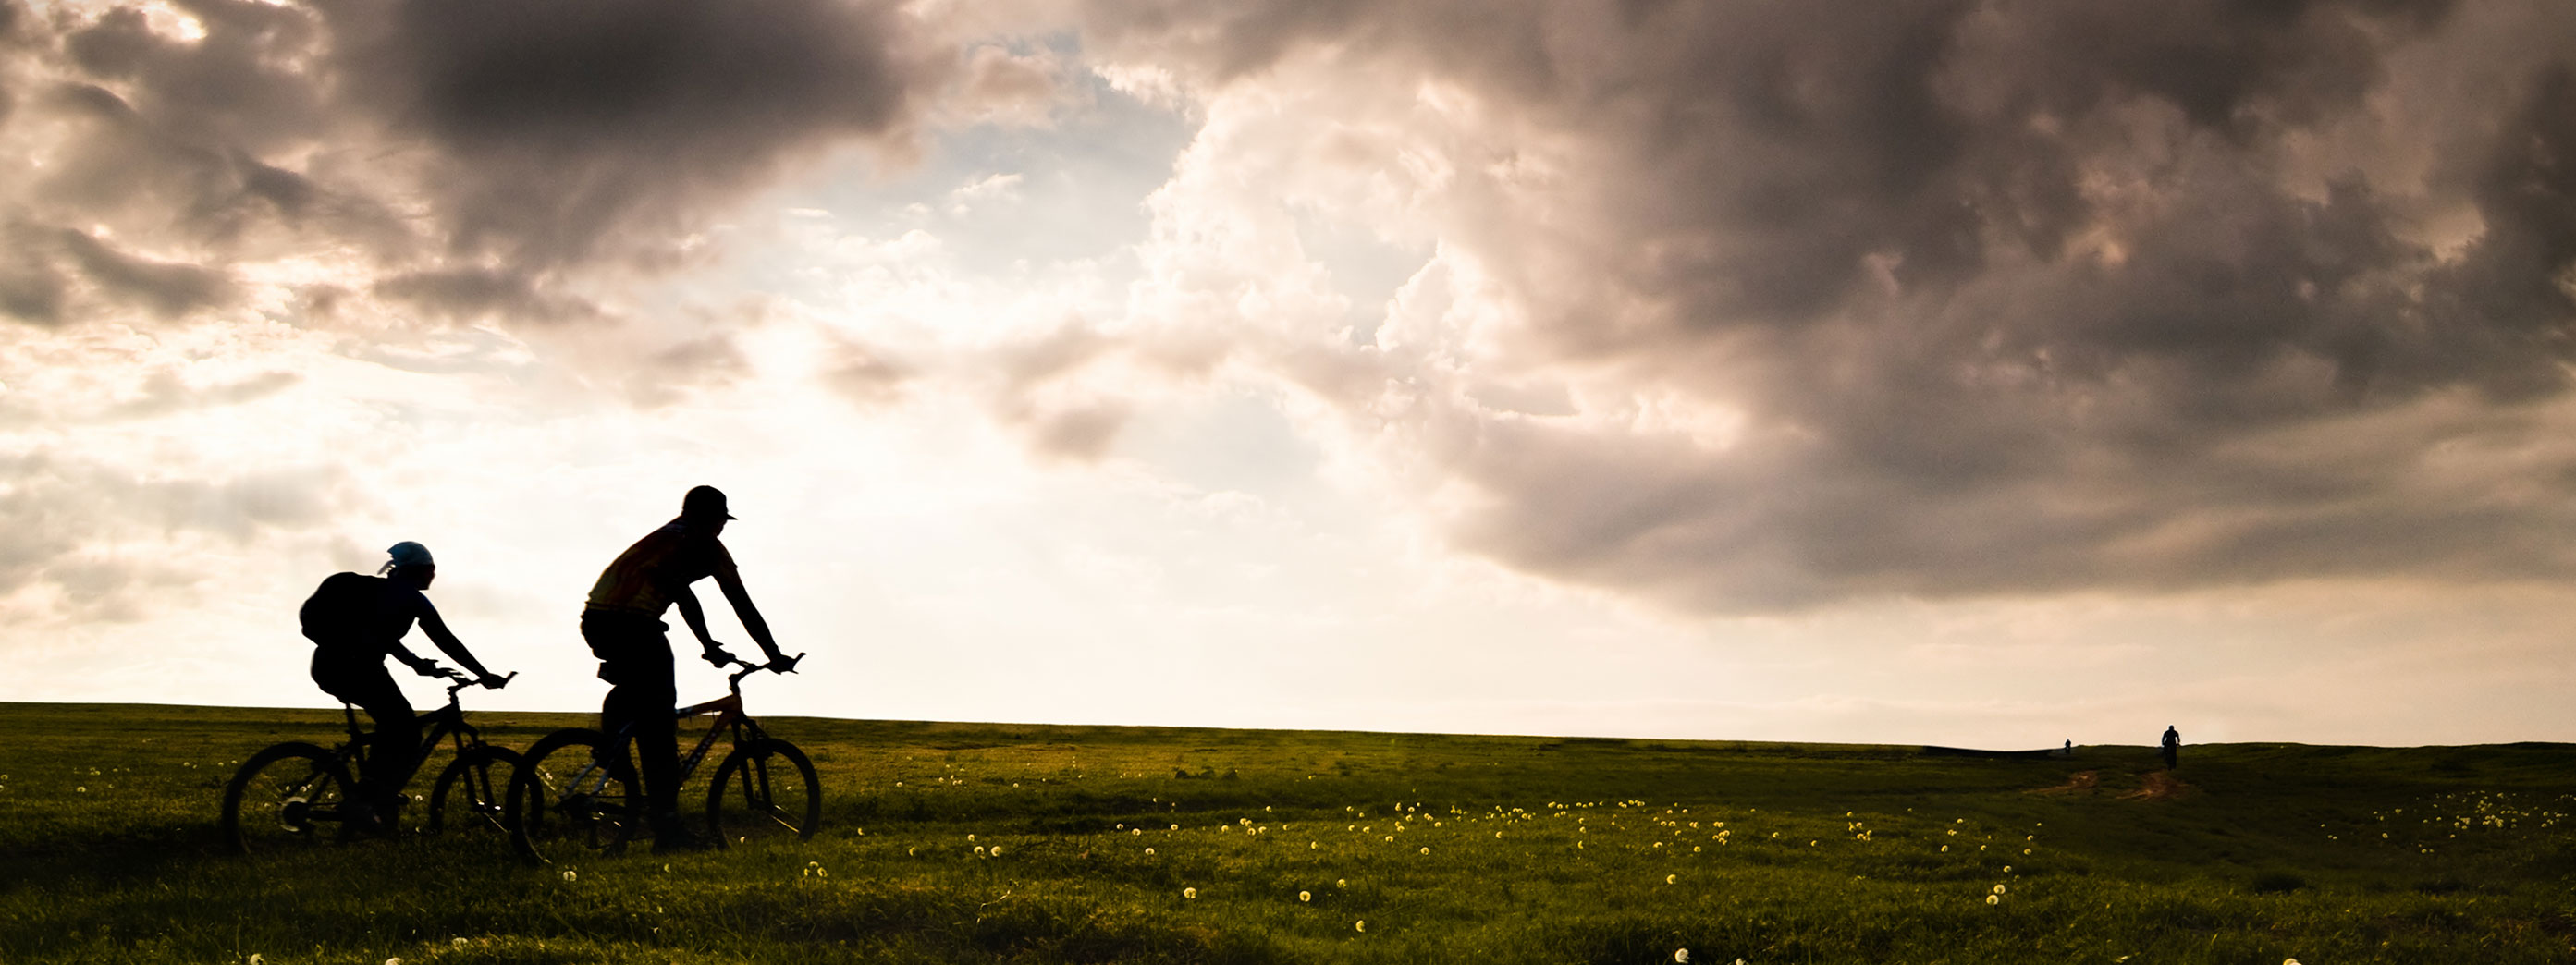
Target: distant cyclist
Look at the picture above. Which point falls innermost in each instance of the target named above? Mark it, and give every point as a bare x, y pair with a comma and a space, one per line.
623, 625
355, 622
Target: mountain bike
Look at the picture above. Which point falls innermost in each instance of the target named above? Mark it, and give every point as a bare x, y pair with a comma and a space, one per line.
577, 790
287, 794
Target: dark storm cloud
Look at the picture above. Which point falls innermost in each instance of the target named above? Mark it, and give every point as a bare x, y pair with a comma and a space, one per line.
476, 156
2010, 297
169, 289
32, 289
471, 294
562, 124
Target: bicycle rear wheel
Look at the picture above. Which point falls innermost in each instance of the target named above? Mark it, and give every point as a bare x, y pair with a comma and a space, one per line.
765, 789
565, 801
285, 797
469, 796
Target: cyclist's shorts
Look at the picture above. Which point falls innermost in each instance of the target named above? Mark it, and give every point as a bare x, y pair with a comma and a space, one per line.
631, 647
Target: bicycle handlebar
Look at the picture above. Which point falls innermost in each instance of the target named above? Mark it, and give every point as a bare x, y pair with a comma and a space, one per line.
460, 682
781, 665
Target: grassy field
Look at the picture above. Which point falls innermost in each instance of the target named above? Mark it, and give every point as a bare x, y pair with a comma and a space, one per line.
960, 842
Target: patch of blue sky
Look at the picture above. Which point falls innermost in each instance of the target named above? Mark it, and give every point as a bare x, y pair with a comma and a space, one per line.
1009, 200
1362, 265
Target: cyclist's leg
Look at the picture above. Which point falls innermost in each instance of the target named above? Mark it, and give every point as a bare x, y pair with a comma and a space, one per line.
395, 750
635, 659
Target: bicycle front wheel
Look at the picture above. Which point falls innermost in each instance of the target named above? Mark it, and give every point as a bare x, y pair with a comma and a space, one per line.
285, 797
765, 789
574, 793
469, 795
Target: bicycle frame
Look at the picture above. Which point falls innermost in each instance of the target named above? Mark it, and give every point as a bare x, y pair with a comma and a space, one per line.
730, 719
437, 726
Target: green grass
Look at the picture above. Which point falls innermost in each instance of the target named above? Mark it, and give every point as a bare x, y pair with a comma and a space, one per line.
1539, 850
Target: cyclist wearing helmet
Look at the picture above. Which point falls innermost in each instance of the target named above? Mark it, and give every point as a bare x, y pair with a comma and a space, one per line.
623, 625
356, 622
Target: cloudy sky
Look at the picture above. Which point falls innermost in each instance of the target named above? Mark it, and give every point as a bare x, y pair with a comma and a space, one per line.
1992, 373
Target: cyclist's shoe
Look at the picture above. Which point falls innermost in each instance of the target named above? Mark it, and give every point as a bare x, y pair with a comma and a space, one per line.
363, 821
678, 839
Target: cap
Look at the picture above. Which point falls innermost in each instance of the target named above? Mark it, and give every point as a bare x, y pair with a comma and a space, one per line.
704, 502
408, 553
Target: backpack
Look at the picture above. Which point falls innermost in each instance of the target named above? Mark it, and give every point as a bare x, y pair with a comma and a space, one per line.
335, 615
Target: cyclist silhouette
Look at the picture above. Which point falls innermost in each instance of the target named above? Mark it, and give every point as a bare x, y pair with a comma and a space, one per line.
2172, 747
355, 622
623, 625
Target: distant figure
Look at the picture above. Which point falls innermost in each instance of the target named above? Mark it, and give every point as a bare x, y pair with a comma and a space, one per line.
2173, 747
623, 625
355, 622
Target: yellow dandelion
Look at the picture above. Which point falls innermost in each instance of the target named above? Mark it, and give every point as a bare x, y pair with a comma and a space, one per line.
1189, 892
1305, 896
1359, 925
1994, 899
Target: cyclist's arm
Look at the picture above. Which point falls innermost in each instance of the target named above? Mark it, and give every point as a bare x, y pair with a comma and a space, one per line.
417, 664
446, 640
695, 616
731, 582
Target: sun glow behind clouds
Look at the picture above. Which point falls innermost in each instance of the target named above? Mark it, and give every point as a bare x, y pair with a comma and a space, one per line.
1506, 371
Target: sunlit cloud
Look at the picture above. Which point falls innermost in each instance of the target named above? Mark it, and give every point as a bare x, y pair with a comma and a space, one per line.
1174, 343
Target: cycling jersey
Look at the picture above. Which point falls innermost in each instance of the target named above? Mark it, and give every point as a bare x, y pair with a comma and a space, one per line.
382, 613
649, 573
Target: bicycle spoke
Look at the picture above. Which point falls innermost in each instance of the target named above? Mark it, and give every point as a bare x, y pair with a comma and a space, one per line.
765, 789
565, 800
281, 797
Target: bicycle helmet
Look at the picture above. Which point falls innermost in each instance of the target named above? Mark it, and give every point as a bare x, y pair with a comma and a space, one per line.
406, 553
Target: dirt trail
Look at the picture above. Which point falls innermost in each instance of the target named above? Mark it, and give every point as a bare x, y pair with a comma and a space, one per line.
2081, 782
2152, 786
2160, 786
